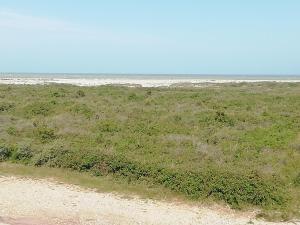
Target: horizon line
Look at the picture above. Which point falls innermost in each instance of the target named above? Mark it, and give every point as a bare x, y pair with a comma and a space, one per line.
149, 74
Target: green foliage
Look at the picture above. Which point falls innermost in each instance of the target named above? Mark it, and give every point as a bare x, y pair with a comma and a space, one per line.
297, 180
6, 106
5, 153
39, 108
136, 97
237, 143
57, 94
109, 126
80, 93
22, 153
132, 96
269, 137
82, 109
221, 117
12, 131
53, 157
45, 133
236, 189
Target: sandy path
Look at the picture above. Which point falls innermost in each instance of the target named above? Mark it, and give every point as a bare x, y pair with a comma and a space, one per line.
36, 202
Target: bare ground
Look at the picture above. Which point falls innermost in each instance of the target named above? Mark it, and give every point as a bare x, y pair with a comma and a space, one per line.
44, 202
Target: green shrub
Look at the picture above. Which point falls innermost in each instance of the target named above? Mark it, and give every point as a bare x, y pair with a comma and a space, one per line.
5, 153
80, 94
88, 162
297, 180
149, 92
132, 96
58, 94
82, 109
99, 138
39, 108
234, 142
135, 97
45, 134
270, 137
221, 117
22, 153
6, 106
236, 189
109, 126
53, 157
12, 131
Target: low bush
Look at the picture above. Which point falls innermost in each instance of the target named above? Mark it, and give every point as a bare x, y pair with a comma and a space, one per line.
39, 108
5, 153
222, 118
45, 133
297, 180
5, 106
235, 188
12, 131
108, 126
82, 109
58, 94
22, 153
52, 157
80, 93
236, 143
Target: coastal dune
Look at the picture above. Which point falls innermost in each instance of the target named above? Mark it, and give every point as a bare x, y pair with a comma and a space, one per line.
134, 81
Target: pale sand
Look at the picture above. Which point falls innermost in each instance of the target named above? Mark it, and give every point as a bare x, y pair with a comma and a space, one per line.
128, 81
44, 202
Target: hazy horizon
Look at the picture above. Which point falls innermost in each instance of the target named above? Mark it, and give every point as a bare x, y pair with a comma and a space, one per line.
148, 75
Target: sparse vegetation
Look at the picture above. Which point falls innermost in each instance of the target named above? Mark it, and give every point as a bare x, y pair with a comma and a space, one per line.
235, 143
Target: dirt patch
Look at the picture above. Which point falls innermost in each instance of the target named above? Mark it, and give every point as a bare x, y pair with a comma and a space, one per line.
35, 202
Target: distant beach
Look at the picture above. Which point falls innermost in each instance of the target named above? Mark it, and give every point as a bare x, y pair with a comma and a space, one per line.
137, 80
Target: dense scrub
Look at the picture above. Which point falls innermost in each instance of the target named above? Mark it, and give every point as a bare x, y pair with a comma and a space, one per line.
235, 143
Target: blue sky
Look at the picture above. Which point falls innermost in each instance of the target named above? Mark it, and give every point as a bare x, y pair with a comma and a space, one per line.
157, 36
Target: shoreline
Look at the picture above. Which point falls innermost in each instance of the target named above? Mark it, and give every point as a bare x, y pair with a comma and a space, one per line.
143, 82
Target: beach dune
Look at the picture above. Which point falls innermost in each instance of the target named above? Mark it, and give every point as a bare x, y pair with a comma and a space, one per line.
143, 81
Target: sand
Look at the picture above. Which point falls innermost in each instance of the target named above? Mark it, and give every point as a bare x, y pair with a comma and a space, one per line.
143, 82
28, 201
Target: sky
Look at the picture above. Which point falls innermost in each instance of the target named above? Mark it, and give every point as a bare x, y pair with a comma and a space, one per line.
150, 37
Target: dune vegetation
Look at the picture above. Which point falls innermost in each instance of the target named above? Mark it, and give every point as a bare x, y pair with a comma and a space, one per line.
234, 143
